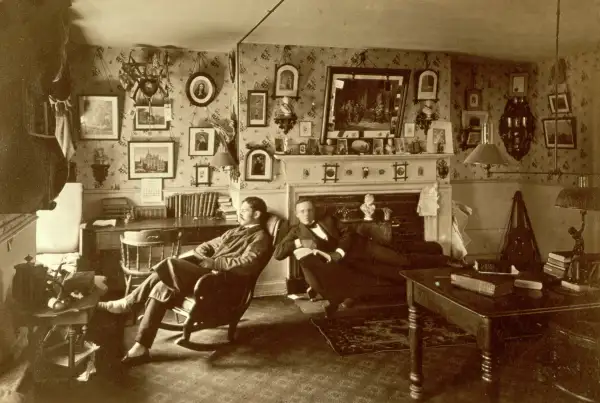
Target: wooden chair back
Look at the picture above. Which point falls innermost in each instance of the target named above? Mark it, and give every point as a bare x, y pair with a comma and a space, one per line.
141, 250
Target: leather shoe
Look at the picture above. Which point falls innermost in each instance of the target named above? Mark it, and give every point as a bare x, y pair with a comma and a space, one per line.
137, 360
313, 296
330, 310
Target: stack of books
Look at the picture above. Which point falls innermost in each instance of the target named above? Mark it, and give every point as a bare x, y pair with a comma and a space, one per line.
492, 285
192, 204
226, 208
557, 264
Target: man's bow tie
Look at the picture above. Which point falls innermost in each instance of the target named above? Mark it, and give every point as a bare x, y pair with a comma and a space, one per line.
312, 225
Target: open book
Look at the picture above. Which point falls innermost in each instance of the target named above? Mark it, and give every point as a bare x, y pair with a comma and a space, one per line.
303, 252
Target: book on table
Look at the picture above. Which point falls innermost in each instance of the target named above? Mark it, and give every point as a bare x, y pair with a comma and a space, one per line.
534, 280
491, 285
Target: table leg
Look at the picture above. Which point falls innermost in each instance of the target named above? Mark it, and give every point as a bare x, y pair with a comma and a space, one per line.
416, 353
486, 339
71, 333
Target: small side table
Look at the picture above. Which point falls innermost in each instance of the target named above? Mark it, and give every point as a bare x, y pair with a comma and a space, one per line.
78, 315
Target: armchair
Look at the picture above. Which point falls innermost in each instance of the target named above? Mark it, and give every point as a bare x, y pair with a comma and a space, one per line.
218, 300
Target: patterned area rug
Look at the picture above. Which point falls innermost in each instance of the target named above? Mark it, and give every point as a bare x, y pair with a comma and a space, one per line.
386, 330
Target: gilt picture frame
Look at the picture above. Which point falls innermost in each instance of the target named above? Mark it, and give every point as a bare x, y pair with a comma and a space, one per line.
151, 159
363, 102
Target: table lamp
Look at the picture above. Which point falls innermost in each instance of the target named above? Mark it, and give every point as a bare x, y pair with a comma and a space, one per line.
223, 159
583, 198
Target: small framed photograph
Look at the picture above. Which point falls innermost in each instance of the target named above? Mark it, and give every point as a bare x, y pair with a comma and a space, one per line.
409, 130
150, 118
257, 108
441, 132
474, 120
202, 141
286, 81
313, 147
279, 146
259, 166
342, 147
306, 128
200, 89
302, 149
151, 159
377, 146
559, 103
98, 117
518, 85
202, 175
400, 145
566, 129
473, 100
427, 85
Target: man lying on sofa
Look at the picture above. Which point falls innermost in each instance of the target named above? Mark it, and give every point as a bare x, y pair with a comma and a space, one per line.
345, 258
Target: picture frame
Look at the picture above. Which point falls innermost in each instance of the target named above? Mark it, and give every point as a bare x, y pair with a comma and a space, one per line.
203, 175
567, 132
286, 81
200, 89
151, 159
559, 103
330, 173
259, 166
377, 146
150, 118
202, 141
442, 137
363, 100
473, 99
313, 146
409, 130
279, 145
472, 128
257, 108
341, 147
426, 85
98, 117
305, 128
518, 84
302, 149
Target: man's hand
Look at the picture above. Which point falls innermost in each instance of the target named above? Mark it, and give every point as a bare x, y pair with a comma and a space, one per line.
335, 256
207, 263
308, 243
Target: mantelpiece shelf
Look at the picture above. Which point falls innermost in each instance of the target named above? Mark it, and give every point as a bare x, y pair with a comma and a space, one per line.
355, 158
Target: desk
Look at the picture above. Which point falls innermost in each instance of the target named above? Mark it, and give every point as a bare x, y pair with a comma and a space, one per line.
478, 315
100, 246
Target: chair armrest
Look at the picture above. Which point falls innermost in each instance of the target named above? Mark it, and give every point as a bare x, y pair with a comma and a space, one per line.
208, 280
189, 253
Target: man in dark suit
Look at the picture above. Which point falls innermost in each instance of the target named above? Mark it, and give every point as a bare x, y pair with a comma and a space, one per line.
350, 262
240, 252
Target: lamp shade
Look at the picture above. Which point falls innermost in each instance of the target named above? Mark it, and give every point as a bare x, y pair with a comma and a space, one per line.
581, 197
485, 154
222, 159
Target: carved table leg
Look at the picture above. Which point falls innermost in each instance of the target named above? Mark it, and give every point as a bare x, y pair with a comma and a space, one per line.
487, 341
71, 333
416, 353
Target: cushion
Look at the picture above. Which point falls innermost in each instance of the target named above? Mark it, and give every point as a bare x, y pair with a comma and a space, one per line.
57, 231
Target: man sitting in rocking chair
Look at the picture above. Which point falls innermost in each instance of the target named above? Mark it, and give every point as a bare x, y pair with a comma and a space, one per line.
241, 251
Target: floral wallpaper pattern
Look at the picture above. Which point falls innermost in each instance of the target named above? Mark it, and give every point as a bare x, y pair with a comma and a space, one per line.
95, 71
258, 71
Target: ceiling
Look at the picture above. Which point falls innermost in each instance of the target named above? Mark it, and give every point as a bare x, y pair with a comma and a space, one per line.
502, 29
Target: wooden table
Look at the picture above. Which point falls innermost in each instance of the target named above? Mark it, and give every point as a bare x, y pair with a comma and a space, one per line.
100, 246
478, 315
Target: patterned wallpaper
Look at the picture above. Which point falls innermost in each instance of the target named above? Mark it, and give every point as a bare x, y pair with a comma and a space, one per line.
95, 72
258, 72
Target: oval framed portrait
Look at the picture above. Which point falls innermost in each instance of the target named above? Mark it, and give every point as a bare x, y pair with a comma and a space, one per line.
200, 89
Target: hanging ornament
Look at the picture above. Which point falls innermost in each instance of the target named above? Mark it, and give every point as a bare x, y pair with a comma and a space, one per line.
516, 127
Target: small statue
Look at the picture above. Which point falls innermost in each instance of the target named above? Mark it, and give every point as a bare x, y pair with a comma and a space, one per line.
286, 108
368, 207
576, 272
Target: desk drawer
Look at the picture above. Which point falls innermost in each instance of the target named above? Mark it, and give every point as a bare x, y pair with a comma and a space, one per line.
198, 235
108, 240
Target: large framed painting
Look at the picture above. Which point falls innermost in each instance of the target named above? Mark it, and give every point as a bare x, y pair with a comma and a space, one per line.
364, 102
98, 117
151, 159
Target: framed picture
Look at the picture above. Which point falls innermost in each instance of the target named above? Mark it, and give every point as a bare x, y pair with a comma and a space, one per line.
286, 81
472, 128
473, 99
441, 134
151, 159
200, 89
98, 117
566, 129
427, 85
202, 175
313, 146
302, 150
559, 103
342, 147
279, 146
259, 165
363, 101
306, 128
257, 108
377, 146
202, 141
150, 118
518, 85
409, 130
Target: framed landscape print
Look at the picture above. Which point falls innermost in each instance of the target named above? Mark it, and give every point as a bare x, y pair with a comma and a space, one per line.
200, 89
257, 108
150, 118
151, 159
286, 81
202, 141
566, 129
559, 103
98, 117
259, 165
363, 102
